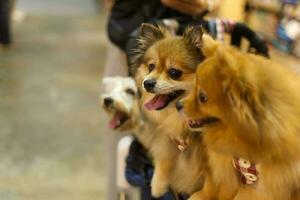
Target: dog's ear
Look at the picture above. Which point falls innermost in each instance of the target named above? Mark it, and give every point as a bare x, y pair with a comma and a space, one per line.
136, 47
209, 45
149, 34
131, 83
227, 67
193, 36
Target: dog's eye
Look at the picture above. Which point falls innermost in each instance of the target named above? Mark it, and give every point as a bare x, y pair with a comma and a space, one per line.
151, 66
130, 91
174, 73
203, 97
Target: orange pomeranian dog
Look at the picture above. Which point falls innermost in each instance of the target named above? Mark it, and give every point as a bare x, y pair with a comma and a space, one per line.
166, 66
247, 109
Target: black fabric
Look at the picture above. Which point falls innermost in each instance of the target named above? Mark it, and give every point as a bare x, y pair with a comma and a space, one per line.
127, 15
137, 158
256, 43
5, 36
139, 172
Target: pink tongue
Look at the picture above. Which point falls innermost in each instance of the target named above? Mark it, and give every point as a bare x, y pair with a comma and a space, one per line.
114, 122
156, 102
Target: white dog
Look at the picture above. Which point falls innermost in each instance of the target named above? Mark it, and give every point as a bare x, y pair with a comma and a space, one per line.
120, 102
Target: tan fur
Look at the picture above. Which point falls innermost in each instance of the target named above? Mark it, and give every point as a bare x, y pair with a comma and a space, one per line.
165, 125
258, 105
183, 171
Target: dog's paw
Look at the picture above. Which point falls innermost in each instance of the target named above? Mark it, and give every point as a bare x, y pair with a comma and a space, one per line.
158, 186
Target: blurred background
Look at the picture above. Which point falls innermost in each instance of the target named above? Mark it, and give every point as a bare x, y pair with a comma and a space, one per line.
50, 123
51, 127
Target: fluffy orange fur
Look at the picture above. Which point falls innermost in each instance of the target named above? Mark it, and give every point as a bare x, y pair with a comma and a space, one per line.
182, 171
257, 104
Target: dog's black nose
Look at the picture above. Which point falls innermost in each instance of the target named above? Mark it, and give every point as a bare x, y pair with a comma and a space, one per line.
149, 84
108, 101
179, 105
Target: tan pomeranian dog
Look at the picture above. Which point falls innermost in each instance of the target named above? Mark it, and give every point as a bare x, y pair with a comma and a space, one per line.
247, 109
165, 70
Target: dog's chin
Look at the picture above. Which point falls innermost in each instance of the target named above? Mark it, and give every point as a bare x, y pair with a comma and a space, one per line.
120, 121
161, 101
201, 124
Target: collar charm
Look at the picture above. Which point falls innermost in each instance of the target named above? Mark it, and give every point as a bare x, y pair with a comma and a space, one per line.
181, 143
246, 169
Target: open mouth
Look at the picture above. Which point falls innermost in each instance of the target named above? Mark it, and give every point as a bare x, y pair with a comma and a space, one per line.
202, 122
160, 101
118, 120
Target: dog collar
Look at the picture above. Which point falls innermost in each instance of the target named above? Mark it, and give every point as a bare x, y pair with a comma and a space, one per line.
247, 170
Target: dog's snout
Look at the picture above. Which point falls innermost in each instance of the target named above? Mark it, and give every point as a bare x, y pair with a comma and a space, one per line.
179, 105
108, 101
149, 84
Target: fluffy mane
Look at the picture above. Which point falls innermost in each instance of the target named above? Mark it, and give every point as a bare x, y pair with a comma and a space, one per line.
262, 100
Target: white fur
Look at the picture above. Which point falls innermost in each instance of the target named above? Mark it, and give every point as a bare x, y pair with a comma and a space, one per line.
115, 88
